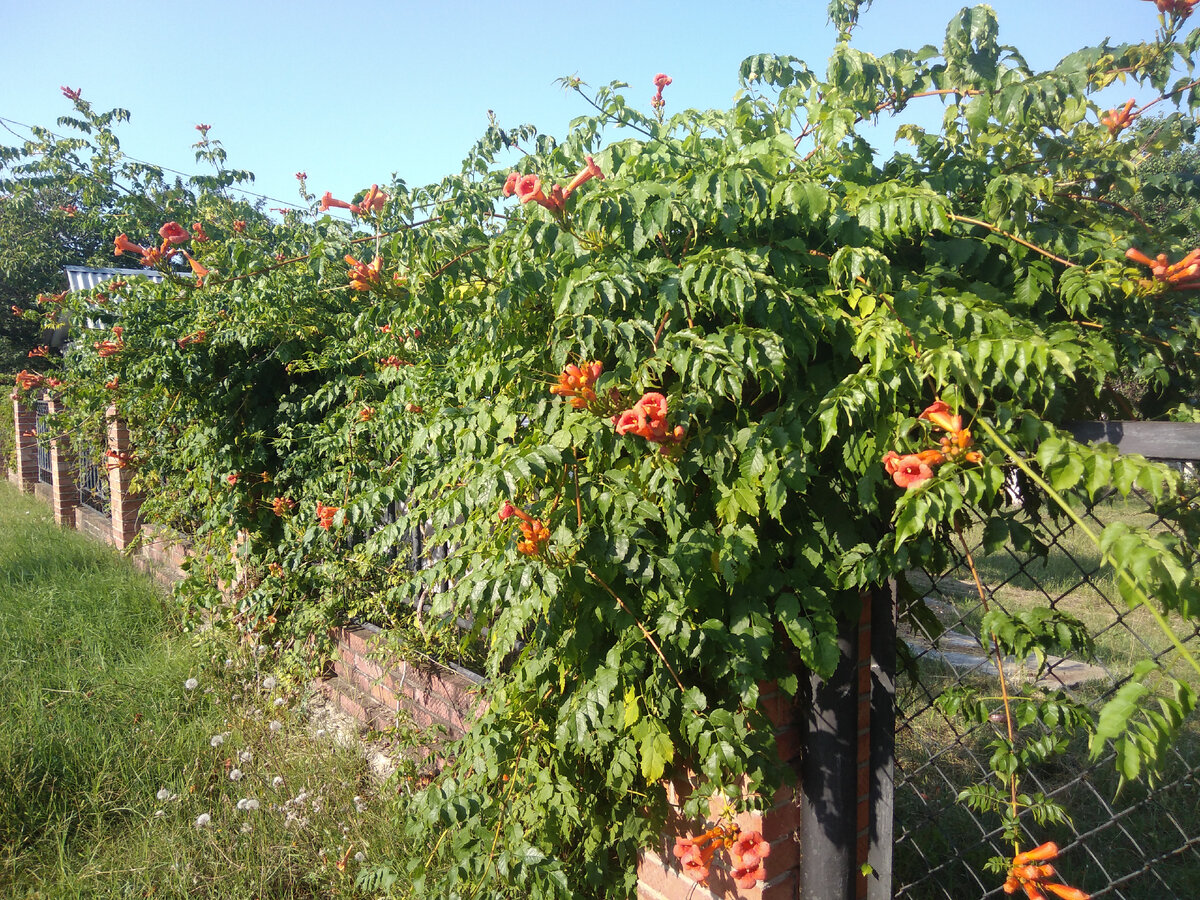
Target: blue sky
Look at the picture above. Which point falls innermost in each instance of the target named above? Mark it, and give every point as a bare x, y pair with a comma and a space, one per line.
351, 93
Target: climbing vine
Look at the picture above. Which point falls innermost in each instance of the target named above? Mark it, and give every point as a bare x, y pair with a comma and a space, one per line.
656, 387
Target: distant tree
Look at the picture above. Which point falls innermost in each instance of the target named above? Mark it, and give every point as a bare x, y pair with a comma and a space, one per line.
64, 198
1166, 204
1169, 199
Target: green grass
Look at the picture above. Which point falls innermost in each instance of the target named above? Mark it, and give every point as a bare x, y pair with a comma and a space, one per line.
95, 721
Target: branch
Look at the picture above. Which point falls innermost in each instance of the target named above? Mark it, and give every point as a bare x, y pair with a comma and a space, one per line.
1012, 237
649, 637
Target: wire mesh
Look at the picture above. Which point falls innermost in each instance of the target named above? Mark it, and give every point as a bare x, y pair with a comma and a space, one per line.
1141, 841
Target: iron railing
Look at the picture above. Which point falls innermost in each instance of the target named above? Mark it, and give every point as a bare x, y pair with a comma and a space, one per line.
92, 476
45, 470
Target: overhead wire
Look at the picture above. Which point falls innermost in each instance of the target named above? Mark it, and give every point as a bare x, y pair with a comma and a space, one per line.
7, 122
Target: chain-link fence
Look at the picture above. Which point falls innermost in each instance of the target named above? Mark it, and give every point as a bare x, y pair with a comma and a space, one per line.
1139, 840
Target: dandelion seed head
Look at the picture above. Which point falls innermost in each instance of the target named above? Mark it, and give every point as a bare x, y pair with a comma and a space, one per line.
277, 782
246, 756
360, 857
229, 663
163, 794
216, 740
276, 725
203, 819
279, 701
191, 684
158, 814
247, 828
269, 683
235, 775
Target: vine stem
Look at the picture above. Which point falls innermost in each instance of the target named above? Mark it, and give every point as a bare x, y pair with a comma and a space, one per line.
512, 781
649, 637
1004, 696
1012, 237
1105, 556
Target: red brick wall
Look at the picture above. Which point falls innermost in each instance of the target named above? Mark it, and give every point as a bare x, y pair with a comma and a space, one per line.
163, 552
432, 696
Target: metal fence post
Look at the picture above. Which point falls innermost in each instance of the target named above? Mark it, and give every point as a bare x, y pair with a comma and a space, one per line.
828, 776
883, 740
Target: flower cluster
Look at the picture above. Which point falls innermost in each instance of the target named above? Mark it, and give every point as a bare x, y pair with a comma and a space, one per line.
914, 469
1026, 875
366, 414
1116, 120
648, 419
363, 277
1179, 8
535, 534
575, 383
528, 188
373, 201
41, 350
111, 348
119, 459
196, 337
746, 854
29, 380
173, 235
1181, 276
325, 514
660, 82
284, 505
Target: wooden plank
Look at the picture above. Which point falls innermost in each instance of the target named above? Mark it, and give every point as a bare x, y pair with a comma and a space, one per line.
1157, 440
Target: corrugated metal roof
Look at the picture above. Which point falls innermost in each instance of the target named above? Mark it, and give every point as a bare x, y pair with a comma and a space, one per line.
82, 278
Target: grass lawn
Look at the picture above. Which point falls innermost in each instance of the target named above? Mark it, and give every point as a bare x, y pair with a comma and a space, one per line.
120, 776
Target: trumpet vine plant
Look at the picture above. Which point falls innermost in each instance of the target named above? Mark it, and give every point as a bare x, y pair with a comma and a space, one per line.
675, 390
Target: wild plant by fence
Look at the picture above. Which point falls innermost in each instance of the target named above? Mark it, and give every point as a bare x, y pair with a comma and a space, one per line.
1145, 843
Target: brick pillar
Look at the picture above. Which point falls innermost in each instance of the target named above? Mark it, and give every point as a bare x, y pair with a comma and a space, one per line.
64, 462
126, 505
25, 426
